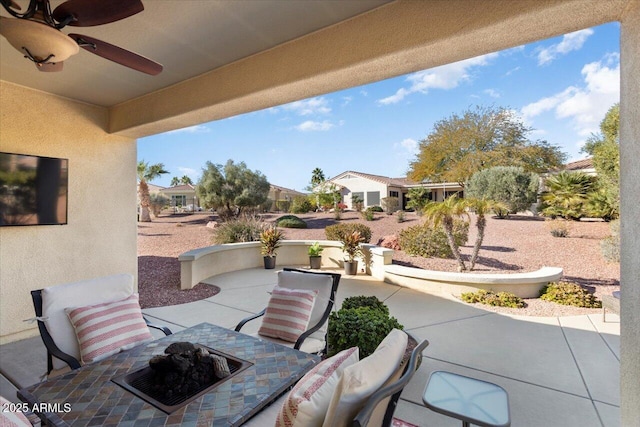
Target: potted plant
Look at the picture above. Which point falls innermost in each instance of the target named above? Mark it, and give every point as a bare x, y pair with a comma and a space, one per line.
270, 239
351, 247
315, 258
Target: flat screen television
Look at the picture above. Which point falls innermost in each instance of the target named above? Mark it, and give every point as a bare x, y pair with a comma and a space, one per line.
33, 190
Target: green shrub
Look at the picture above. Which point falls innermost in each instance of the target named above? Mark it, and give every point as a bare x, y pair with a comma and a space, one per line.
363, 322
610, 246
244, 229
400, 216
427, 241
338, 231
510, 185
301, 204
569, 293
376, 208
500, 299
367, 214
290, 221
559, 228
365, 301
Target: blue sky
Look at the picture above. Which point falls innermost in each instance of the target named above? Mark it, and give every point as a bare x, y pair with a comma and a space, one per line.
561, 87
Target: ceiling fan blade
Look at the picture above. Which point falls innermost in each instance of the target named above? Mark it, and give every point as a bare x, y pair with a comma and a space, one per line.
88, 13
117, 54
50, 67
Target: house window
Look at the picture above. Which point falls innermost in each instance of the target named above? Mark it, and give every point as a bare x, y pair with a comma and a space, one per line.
448, 194
373, 198
393, 194
178, 200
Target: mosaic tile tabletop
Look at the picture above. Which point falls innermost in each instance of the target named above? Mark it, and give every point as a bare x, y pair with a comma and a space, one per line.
95, 400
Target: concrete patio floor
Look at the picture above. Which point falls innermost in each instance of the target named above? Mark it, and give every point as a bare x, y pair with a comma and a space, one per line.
557, 371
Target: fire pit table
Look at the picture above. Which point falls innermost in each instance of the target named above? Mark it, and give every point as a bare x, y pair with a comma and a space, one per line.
91, 396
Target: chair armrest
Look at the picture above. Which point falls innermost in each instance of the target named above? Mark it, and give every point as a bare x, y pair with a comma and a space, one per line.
164, 329
53, 350
248, 319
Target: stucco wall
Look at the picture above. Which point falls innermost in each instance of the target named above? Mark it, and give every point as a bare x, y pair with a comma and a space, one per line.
629, 208
100, 237
361, 185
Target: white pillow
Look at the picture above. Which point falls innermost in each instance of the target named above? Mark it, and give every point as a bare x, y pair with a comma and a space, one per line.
288, 313
106, 329
309, 281
307, 403
361, 380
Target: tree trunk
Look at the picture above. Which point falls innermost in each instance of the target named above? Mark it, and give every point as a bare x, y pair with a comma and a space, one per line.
448, 230
145, 201
481, 223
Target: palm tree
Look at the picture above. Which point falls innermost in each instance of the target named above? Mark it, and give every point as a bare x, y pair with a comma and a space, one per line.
317, 178
146, 173
444, 213
567, 192
175, 181
186, 180
481, 208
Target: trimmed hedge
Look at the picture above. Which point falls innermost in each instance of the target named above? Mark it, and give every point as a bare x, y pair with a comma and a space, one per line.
428, 241
338, 231
290, 221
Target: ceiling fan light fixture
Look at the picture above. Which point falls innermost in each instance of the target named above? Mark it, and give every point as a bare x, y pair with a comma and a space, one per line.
38, 42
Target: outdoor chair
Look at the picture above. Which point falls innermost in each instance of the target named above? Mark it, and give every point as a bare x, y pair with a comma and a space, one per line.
314, 338
374, 408
59, 333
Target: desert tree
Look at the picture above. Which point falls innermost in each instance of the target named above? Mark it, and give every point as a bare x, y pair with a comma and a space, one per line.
516, 189
481, 208
480, 138
231, 188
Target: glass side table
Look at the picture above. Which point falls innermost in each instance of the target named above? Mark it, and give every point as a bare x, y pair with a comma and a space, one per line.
473, 401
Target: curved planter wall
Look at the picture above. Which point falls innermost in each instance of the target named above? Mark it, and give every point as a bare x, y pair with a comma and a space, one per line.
199, 264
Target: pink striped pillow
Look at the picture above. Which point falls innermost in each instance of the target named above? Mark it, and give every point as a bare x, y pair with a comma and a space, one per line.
106, 329
308, 401
288, 313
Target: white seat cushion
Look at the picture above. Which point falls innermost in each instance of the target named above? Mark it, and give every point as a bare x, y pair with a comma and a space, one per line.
309, 281
361, 380
108, 328
56, 298
287, 314
307, 403
10, 417
309, 345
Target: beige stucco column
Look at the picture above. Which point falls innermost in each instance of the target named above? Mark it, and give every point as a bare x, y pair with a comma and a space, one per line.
630, 214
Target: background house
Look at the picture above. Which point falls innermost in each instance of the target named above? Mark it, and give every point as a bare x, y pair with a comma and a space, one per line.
182, 196
277, 193
373, 188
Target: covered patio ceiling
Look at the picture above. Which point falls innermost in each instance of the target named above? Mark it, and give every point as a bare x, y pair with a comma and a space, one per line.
223, 58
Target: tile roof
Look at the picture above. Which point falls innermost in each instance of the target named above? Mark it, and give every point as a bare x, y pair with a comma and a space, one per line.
579, 165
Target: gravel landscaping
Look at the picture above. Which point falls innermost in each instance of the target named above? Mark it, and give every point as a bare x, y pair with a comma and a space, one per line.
518, 244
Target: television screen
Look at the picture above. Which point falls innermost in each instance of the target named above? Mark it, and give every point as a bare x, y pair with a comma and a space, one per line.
33, 190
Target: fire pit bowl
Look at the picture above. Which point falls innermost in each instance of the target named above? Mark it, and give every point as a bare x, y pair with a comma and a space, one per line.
143, 383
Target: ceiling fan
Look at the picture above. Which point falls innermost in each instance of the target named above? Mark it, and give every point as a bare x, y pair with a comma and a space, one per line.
36, 32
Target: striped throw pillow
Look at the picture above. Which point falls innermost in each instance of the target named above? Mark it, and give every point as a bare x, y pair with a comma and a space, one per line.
308, 401
106, 329
288, 313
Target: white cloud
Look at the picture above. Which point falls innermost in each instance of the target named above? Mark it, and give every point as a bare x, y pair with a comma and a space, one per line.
309, 106
583, 106
311, 125
569, 42
191, 129
408, 145
511, 71
445, 77
346, 100
187, 171
364, 92
492, 93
